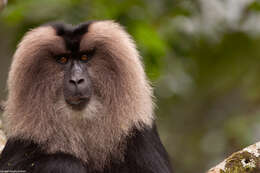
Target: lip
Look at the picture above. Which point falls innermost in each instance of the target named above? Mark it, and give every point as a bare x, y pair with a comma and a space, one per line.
77, 101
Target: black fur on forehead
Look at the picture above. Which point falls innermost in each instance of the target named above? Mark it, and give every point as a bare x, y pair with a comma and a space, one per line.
72, 35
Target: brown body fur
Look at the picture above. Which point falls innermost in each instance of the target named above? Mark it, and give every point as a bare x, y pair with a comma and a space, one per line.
122, 98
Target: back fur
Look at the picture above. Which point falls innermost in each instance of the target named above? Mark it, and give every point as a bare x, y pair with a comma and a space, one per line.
36, 109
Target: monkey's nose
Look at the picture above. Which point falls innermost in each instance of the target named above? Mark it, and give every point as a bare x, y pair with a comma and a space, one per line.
78, 84
76, 81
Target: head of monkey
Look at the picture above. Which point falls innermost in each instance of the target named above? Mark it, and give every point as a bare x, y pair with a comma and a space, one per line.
83, 83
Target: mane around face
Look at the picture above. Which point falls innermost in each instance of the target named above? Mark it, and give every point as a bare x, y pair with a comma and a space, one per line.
121, 99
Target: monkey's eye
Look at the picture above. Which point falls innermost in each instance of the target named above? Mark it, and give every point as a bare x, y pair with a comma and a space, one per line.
62, 60
84, 58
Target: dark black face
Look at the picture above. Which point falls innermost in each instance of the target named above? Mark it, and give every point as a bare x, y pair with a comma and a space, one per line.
77, 82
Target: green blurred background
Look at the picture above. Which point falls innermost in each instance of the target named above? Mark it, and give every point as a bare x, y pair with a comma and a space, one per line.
201, 56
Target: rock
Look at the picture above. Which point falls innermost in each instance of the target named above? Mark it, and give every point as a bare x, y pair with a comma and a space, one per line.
244, 161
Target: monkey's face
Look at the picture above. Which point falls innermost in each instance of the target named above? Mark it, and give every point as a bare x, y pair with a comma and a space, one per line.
77, 84
86, 68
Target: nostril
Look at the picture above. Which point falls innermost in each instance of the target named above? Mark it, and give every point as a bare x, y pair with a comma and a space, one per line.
80, 81
72, 82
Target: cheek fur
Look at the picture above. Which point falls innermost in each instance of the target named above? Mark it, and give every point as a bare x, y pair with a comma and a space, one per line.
106, 84
43, 81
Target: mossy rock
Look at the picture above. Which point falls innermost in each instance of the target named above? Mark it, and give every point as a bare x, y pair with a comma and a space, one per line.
242, 162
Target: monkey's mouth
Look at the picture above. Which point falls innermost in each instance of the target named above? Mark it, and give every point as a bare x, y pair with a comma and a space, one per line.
77, 102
